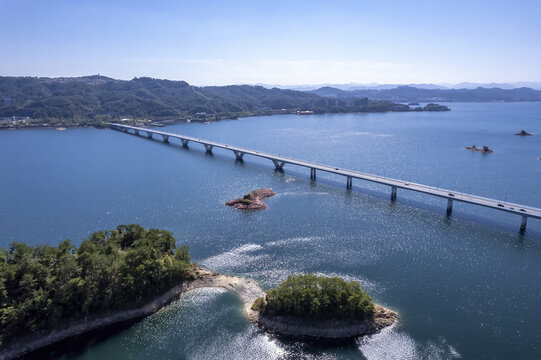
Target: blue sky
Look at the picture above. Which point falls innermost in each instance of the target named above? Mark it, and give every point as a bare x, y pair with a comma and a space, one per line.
274, 42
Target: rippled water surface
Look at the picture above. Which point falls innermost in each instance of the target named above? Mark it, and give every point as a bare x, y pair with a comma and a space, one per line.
465, 286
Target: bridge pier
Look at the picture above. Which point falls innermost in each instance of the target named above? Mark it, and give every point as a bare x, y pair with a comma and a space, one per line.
523, 224
393, 193
312, 174
208, 147
449, 206
149, 134
165, 138
349, 182
136, 132
184, 142
238, 154
279, 165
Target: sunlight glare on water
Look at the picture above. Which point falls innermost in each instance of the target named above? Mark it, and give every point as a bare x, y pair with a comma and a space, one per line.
464, 286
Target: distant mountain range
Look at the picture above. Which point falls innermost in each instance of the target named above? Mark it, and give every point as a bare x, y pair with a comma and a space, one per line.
443, 86
414, 94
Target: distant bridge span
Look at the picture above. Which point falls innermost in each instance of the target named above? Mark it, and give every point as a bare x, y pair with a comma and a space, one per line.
279, 161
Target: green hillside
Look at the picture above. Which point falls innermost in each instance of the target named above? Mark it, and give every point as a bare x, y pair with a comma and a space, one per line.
90, 100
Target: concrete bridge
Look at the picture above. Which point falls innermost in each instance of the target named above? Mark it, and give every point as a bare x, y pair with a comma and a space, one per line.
279, 162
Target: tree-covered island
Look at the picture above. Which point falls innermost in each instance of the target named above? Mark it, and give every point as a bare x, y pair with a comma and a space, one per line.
313, 306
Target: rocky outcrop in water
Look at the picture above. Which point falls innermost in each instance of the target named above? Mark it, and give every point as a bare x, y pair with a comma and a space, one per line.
253, 200
523, 133
484, 149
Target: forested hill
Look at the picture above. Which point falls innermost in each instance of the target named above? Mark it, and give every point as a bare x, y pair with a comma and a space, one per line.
93, 99
409, 93
98, 96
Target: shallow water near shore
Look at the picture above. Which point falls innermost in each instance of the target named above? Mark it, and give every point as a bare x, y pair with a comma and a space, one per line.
464, 286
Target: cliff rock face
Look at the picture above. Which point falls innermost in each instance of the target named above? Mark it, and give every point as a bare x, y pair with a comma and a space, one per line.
328, 329
252, 200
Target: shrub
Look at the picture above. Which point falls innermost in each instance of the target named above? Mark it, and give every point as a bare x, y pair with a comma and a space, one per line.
259, 304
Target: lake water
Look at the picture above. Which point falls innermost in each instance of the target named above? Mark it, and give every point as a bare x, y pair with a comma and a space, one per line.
465, 286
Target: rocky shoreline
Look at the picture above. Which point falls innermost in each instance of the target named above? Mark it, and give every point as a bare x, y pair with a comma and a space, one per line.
339, 329
248, 291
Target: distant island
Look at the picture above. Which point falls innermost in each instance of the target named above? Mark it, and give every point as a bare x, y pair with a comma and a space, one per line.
253, 200
93, 100
318, 307
411, 94
523, 133
484, 149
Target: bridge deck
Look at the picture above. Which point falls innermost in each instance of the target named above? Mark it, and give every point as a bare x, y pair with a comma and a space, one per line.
517, 209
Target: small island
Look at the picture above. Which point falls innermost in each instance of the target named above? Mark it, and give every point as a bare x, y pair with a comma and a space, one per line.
436, 107
484, 149
253, 200
523, 133
318, 307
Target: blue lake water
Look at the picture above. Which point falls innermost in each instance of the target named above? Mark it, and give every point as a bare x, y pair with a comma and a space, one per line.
465, 286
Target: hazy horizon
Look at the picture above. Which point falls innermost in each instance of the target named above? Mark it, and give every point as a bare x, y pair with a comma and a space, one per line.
286, 43
312, 86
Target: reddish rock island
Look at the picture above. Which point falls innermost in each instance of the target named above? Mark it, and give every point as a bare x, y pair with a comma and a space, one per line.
252, 200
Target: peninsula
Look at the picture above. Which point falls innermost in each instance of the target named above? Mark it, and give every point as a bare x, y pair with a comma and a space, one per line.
51, 294
253, 200
48, 294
